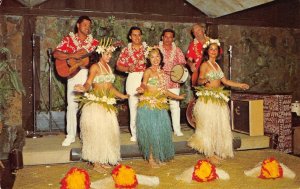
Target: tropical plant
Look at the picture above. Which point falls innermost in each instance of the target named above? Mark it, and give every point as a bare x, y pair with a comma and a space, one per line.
10, 81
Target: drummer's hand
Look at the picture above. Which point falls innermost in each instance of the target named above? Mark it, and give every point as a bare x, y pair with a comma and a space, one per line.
79, 88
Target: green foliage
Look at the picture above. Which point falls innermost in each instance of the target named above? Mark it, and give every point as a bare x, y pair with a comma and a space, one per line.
9, 79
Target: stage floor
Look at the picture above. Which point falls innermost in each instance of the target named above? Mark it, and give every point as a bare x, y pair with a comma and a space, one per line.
48, 149
49, 176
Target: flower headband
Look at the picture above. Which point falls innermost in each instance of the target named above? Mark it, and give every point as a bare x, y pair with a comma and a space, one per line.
149, 49
211, 41
105, 45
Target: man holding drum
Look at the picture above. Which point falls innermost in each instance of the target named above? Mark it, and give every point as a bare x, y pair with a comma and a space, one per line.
172, 56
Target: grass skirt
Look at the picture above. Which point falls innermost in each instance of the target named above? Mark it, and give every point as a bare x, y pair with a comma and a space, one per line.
154, 133
213, 133
100, 134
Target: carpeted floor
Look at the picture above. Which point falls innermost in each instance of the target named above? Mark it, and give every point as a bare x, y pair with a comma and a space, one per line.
49, 176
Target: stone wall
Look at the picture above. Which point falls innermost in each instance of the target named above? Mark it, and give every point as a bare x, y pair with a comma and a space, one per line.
266, 58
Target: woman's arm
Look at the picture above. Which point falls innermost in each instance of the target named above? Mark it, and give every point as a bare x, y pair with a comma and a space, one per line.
203, 69
143, 86
86, 86
118, 93
174, 96
230, 83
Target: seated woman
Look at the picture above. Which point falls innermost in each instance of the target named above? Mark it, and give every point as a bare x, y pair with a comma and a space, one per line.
154, 131
99, 125
213, 135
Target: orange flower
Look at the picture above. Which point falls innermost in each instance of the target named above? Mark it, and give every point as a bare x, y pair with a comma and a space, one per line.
270, 168
76, 179
204, 171
124, 177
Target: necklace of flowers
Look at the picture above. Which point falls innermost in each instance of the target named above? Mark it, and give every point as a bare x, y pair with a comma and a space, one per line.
129, 46
173, 51
198, 54
88, 41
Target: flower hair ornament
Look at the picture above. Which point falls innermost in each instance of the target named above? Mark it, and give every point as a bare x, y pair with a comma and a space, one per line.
270, 168
211, 41
149, 49
203, 171
124, 176
105, 45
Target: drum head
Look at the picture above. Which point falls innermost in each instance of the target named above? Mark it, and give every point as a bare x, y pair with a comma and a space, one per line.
179, 74
189, 113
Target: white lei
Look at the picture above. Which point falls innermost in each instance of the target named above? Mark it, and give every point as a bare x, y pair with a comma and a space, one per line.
129, 46
173, 52
88, 41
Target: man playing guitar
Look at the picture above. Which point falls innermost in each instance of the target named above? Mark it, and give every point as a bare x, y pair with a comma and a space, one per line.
195, 50
75, 46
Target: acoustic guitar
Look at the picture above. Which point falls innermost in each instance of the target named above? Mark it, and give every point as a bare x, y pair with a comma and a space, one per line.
70, 67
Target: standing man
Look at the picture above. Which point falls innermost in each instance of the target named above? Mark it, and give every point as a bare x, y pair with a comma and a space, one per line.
75, 46
172, 56
132, 61
195, 50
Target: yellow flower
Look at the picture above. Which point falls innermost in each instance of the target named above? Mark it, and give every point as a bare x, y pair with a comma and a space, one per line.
204, 171
271, 169
76, 179
124, 177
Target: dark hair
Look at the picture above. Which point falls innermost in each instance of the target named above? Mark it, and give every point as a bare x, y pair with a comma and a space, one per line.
130, 32
161, 64
167, 30
206, 56
80, 19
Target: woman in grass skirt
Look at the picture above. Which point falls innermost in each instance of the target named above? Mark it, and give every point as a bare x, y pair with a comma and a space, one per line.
213, 135
154, 131
99, 125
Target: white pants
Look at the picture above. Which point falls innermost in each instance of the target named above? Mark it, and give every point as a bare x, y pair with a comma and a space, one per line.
72, 107
132, 83
175, 111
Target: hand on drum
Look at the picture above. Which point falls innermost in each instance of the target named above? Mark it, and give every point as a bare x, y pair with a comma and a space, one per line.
79, 88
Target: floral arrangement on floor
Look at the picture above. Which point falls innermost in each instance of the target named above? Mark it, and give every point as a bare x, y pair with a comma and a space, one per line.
124, 177
270, 168
216, 95
204, 171
76, 179
106, 99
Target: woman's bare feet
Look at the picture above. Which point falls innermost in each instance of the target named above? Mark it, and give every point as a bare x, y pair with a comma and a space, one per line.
215, 160
101, 168
153, 164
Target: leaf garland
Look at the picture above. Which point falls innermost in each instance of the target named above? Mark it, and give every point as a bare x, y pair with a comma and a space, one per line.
215, 95
102, 97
